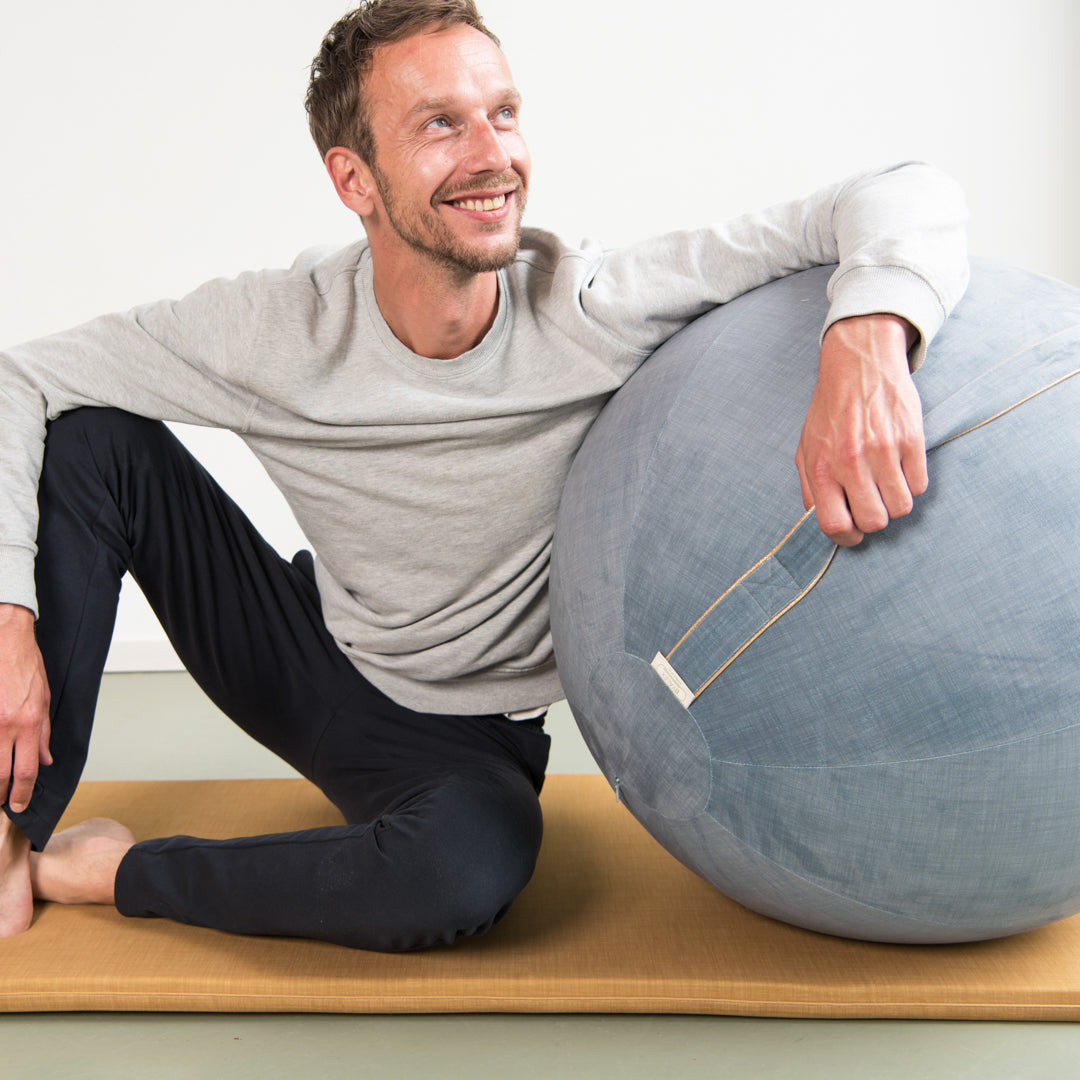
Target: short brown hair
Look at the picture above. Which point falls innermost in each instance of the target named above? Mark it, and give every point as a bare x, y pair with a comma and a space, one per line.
337, 111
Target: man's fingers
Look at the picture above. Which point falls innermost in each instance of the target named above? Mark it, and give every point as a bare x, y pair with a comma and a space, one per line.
846, 511
834, 517
23, 774
888, 495
863, 497
44, 754
901, 473
895, 484
800, 465
7, 750
915, 471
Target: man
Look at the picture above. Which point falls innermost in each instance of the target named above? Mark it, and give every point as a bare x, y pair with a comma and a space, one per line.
418, 397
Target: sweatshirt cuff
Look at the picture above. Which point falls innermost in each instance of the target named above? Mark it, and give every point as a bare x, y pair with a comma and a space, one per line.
893, 290
17, 577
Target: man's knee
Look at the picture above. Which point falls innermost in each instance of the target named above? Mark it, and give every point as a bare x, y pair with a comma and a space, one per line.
465, 854
78, 438
490, 850
98, 465
96, 456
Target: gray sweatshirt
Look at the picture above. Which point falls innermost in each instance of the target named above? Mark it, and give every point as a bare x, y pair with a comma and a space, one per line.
428, 489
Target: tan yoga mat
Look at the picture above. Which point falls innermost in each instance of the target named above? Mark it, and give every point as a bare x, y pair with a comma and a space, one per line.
611, 923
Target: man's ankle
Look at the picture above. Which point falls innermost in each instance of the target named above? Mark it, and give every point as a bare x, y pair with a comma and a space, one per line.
10, 833
16, 896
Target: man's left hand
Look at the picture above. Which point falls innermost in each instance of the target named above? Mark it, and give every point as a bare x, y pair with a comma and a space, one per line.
862, 454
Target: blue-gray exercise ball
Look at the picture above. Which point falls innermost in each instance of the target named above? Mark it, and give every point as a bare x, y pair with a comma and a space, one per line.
878, 742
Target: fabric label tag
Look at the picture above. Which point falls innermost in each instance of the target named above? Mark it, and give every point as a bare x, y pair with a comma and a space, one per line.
672, 680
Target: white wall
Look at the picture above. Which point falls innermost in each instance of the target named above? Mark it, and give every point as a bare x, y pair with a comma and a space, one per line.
146, 146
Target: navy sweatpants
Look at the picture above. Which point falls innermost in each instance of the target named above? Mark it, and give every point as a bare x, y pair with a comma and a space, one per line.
441, 816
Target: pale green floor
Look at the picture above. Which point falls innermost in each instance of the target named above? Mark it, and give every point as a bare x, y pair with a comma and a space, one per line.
159, 726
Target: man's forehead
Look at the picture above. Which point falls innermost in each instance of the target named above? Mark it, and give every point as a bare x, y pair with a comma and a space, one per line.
430, 69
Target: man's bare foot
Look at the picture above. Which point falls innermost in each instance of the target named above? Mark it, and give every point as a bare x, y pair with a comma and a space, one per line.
78, 865
16, 897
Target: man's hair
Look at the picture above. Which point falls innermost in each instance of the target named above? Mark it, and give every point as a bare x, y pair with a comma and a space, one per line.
338, 113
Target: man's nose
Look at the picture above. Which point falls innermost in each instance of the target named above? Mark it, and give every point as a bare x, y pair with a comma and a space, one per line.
486, 151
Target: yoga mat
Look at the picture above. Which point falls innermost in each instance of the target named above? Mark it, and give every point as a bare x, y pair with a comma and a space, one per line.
611, 923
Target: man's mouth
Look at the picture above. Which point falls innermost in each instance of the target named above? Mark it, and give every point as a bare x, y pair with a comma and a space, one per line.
494, 203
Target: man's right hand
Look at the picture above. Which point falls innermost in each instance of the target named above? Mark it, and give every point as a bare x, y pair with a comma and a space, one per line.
24, 707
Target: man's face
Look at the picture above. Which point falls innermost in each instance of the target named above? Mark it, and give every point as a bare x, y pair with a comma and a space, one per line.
451, 168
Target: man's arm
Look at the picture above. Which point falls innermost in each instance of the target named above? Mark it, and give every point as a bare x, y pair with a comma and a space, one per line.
899, 237
171, 373
862, 455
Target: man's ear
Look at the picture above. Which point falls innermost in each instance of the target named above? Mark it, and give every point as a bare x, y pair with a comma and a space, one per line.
352, 180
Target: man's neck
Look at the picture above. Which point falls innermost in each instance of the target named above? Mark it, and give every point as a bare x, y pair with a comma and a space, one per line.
439, 314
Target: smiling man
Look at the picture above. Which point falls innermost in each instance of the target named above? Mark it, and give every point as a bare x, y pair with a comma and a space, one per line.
418, 396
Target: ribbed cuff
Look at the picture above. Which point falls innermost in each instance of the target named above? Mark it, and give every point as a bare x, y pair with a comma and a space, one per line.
895, 290
17, 577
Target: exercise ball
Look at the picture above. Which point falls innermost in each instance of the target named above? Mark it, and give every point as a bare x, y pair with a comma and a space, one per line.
879, 742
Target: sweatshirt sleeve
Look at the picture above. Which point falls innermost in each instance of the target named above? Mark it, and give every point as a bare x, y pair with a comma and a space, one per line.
173, 360
898, 235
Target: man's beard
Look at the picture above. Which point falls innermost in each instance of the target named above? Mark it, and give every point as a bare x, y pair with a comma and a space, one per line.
429, 234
